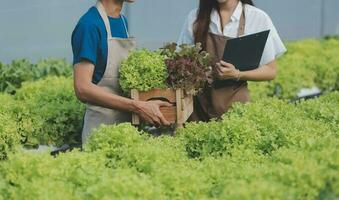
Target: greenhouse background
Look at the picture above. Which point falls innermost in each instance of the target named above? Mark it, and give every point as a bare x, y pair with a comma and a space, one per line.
37, 29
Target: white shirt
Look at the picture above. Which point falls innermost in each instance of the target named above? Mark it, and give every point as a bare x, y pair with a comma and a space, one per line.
256, 21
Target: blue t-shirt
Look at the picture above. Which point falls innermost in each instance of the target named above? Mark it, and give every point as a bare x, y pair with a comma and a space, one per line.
89, 40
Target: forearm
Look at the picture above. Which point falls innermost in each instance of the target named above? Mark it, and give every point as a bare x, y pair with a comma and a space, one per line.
263, 73
88, 92
96, 95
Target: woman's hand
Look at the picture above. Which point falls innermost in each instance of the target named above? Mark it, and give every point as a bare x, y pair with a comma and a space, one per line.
149, 111
226, 70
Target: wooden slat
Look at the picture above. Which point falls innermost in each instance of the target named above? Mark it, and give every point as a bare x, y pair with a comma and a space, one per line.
135, 118
187, 107
135, 94
179, 107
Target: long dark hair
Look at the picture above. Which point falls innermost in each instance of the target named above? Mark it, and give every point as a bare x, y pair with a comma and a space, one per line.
201, 25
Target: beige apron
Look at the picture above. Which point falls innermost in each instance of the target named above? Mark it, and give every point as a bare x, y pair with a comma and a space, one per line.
118, 49
214, 102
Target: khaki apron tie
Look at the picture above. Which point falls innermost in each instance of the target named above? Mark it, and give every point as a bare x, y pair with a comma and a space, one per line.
118, 49
211, 102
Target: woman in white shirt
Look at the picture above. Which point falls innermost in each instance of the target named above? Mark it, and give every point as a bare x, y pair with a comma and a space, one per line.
212, 24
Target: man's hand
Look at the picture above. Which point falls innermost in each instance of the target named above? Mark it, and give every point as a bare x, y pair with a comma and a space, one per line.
149, 111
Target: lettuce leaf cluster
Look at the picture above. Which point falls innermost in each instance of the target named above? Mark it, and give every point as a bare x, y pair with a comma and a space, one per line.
189, 67
143, 70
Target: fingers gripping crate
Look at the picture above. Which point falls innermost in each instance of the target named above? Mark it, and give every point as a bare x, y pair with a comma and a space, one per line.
177, 114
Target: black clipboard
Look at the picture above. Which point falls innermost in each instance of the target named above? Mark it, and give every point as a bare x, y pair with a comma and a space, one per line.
244, 53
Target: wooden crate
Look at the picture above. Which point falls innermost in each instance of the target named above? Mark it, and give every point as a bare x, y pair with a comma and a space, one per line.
177, 114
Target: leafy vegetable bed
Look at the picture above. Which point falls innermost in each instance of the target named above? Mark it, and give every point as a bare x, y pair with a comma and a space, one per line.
265, 150
268, 149
308, 63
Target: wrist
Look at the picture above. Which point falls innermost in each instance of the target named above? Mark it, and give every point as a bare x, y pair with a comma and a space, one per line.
241, 76
236, 75
135, 106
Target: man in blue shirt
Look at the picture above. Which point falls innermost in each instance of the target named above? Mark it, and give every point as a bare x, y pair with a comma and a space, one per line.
89, 40
100, 41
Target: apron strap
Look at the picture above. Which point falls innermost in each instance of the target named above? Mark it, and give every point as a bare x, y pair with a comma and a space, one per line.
242, 22
104, 17
123, 20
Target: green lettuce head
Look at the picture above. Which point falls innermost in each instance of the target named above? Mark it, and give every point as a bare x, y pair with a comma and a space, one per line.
143, 70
